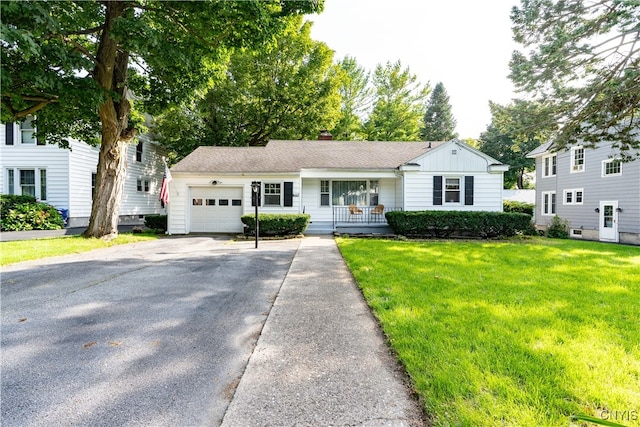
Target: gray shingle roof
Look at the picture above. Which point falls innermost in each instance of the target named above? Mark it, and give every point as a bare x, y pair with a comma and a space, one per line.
543, 148
292, 156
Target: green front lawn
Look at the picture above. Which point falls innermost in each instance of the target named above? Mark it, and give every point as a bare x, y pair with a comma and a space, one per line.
25, 250
509, 333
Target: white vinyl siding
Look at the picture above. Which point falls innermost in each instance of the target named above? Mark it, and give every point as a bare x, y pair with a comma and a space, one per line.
487, 192
66, 180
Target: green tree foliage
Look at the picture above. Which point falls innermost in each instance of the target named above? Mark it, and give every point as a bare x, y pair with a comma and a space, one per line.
355, 94
398, 104
439, 123
289, 91
582, 61
511, 136
75, 64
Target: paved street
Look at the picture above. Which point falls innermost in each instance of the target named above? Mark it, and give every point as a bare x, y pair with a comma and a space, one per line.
155, 333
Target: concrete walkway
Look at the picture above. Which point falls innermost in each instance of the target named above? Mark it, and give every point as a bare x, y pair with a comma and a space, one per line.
321, 359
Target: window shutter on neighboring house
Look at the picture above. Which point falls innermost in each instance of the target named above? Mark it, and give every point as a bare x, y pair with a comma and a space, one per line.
437, 190
256, 197
8, 134
288, 193
468, 190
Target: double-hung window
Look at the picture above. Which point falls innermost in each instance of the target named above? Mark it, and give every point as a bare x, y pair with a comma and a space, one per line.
325, 195
577, 159
549, 203
139, 149
549, 164
11, 181
452, 190
272, 193
611, 167
28, 131
27, 182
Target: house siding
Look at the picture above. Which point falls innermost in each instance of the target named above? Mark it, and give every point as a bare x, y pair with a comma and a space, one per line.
136, 203
624, 188
30, 156
180, 189
82, 164
419, 192
69, 175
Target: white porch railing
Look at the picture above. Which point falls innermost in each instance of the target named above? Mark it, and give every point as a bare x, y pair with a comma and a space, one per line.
361, 216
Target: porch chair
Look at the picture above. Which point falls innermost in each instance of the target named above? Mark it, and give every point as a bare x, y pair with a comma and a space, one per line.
354, 210
376, 213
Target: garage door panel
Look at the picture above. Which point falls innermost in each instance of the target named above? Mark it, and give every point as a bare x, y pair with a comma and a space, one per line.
216, 210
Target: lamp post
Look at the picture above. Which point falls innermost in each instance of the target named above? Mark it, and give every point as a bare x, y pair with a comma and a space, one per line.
255, 193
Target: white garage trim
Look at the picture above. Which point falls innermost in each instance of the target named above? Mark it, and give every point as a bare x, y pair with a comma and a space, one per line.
215, 210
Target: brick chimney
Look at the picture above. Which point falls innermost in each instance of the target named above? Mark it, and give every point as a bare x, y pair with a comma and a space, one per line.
325, 135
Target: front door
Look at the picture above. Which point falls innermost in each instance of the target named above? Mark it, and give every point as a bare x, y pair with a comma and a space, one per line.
609, 221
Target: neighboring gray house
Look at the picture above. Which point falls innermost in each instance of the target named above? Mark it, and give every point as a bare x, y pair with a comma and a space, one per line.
592, 189
211, 188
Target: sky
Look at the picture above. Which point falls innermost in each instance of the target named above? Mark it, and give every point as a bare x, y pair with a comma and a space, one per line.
465, 44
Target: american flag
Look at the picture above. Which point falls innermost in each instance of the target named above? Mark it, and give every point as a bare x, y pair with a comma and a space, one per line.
164, 190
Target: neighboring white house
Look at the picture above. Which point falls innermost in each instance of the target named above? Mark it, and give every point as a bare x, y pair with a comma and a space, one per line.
66, 178
592, 189
211, 188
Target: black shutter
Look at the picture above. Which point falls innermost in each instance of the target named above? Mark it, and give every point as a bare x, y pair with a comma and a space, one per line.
8, 135
437, 190
468, 190
256, 197
288, 193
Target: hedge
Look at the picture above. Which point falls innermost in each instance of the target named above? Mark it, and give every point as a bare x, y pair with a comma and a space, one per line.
156, 222
276, 224
444, 224
20, 213
515, 206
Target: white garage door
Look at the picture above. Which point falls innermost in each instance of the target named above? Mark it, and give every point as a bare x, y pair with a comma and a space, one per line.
216, 210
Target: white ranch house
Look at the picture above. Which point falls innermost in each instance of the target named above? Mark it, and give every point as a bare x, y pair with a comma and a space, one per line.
211, 188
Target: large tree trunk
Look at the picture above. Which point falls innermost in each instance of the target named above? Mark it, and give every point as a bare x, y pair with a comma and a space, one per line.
111, 74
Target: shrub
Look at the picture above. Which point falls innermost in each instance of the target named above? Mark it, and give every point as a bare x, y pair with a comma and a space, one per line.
20, 213
444, 224
558, 228
156, 222
520, 207
276, 224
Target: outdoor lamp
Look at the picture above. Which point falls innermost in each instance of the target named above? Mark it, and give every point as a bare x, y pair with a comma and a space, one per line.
255, 189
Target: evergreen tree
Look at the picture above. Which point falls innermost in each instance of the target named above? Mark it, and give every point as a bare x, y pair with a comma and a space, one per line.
439, 123
581, 60
399, 97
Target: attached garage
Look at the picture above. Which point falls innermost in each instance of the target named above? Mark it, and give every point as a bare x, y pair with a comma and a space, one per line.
216, 210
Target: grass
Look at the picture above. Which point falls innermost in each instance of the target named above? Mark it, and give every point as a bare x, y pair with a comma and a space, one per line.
25, 250
510, 333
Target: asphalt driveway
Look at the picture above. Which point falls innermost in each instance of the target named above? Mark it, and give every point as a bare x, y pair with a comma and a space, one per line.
155, 333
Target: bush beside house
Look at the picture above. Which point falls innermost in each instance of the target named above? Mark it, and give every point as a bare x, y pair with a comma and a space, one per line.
276, 224
472, 224
516, 206
21, 213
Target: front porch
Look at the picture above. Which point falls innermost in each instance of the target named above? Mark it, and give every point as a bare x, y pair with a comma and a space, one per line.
354, 220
